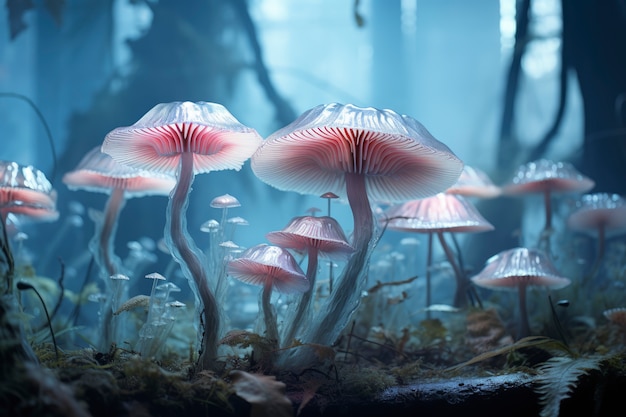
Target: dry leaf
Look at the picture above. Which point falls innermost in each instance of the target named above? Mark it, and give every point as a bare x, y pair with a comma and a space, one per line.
264, 393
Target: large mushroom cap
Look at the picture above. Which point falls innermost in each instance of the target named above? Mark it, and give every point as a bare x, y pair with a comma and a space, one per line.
24, 190
400, 159
519, 267
546, 175
600, 210
323, 233
263, 264
98, 172
443, 212
208, 130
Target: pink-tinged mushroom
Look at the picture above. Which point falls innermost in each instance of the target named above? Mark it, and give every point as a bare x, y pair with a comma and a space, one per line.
363, 154
547, 178
437, 215
25, 192
271, 267
185, 139
474, 182
317, 236
600, 215
517, 269
98, 172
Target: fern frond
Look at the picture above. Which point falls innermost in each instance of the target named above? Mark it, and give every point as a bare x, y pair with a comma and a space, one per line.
558, 377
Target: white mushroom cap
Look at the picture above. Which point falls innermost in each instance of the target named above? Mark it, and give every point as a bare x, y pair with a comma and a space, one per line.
263, 264
600, 210
98, 172
398, 156
517, 267
546, 175
208, 130
441, 212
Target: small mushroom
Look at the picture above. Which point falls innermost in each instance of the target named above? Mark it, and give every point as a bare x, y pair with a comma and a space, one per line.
271, 267
442, 213
602, 216
548, 178
517, 269
317, 236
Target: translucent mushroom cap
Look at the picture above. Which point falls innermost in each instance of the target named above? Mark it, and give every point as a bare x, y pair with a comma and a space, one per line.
225, 201
323, 233
546, 175
98, 172
398, 156
155, 142
616, 315
600, 210
441, 212
25, 191
518, 267
474, 182
262, 264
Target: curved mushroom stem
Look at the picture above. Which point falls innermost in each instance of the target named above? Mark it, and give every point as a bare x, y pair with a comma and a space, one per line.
347, 293
103, 250
305, 299
101, 246
460, 295
187, 254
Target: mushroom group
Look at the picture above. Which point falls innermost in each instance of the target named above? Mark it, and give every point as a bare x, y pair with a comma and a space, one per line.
184, 139
364, 154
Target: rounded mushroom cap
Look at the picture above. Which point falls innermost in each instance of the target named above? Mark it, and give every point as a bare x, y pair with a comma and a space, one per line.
323, 233
208, 130
263, 263
225, 201
546, 175
98, 172
398, 156
474, 182
441, 212
24, 190
600, 210
616, 315
517, 267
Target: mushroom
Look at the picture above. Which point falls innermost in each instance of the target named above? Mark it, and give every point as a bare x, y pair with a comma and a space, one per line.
518, 269
317, 236
271, 267
25, 192
98, 172
548, 178
435, 215
474, 182
185, 139
363, 154
600, 215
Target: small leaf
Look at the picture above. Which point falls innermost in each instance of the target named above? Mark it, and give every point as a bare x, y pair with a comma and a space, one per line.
137, 301
264, 393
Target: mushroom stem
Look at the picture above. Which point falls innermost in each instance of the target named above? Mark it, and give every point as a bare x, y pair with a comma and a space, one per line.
269, 318
187, 254
599, 254
103, 249
347, 293
460, 294
524, 327
429, 264
305, 299
8, 255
